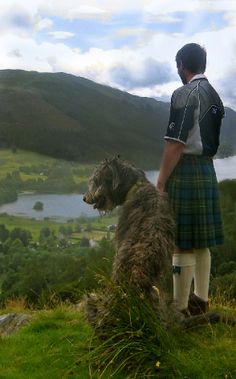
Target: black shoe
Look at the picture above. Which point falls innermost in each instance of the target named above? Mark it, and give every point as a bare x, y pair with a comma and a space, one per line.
196, 305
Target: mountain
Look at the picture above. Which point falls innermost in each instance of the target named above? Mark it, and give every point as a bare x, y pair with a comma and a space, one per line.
75, 118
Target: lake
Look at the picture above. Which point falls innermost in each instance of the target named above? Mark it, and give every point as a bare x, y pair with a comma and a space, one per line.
58, 207
225, 169
64, 207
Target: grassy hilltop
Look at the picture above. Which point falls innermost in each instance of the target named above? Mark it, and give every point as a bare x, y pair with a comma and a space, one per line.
59, 343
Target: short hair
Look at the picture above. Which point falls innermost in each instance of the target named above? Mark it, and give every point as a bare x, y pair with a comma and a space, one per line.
193, 58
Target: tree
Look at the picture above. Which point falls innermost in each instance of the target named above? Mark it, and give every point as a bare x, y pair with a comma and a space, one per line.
23, 235
84, 242
4, 233
38, 206
45, 232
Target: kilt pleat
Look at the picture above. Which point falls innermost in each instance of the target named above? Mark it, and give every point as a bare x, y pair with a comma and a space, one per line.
194, 195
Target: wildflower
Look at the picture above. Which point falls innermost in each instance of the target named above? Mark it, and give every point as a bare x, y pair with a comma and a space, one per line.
158, 363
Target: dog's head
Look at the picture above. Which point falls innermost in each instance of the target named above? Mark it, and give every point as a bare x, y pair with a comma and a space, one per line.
110, 183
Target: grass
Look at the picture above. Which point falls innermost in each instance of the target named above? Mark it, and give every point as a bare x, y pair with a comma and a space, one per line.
135, 344
12, 161
207, 352
99, 226
49, 347
32, 225
33, 176
56, 344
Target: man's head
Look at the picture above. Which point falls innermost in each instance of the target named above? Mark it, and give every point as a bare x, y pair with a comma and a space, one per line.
190, 60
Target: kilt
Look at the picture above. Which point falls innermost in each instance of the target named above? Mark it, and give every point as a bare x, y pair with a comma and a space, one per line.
193, 192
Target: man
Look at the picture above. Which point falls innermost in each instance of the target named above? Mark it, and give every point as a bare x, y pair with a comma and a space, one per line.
187, 174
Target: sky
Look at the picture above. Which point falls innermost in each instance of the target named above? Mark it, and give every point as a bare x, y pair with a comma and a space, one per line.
126, 44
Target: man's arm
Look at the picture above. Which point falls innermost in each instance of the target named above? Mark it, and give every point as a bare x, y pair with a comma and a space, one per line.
171, 155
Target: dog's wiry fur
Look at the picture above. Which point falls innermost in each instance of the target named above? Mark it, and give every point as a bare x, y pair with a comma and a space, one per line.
144, 235
144, 238
145, 231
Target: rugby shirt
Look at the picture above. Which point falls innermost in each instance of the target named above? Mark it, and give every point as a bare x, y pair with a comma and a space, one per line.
195, 119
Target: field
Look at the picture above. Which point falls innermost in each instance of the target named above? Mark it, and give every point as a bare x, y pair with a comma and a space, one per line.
91, 228
23, 171
59, 343
14, 160
11, 161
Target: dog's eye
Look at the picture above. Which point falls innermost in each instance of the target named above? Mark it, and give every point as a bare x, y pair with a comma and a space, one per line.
107, 176
95, 182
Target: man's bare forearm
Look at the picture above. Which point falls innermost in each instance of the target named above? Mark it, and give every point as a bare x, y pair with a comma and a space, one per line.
171, 155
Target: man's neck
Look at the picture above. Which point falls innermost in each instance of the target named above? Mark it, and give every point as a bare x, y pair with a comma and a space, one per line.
197, 77
189, 76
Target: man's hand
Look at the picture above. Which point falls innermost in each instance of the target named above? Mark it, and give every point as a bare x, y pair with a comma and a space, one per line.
160, 186
171, 155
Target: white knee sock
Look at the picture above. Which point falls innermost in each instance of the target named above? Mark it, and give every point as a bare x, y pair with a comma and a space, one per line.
202, 273
183, 273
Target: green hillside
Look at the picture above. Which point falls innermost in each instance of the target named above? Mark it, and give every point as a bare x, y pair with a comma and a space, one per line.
74, 118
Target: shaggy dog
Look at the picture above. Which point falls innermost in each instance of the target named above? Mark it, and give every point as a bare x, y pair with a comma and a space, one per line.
144, 238
144, 234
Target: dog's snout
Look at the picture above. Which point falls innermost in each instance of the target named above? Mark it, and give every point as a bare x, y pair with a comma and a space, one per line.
88, 198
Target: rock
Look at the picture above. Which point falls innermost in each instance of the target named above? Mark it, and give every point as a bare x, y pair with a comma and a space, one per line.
11, 322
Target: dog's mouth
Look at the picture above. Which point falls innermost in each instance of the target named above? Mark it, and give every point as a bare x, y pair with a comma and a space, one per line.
98, 202
102, 203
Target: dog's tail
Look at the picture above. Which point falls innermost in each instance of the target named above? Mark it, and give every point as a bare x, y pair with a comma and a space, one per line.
208, 318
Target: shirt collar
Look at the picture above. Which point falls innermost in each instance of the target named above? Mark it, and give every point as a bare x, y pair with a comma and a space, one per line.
198, 76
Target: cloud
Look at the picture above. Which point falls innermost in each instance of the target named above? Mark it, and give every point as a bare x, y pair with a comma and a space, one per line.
126, 44
163, 18
74, 9
43, 23
161, 92
228, 89
149, 73
16, 18
60, 34
15, 53
87, 12
170, 6
20, 19
230, 17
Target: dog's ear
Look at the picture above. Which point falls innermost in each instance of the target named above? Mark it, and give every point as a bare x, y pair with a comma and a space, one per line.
116, 157
115, 175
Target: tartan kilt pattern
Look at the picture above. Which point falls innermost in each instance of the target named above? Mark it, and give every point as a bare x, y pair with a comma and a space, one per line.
194, 195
